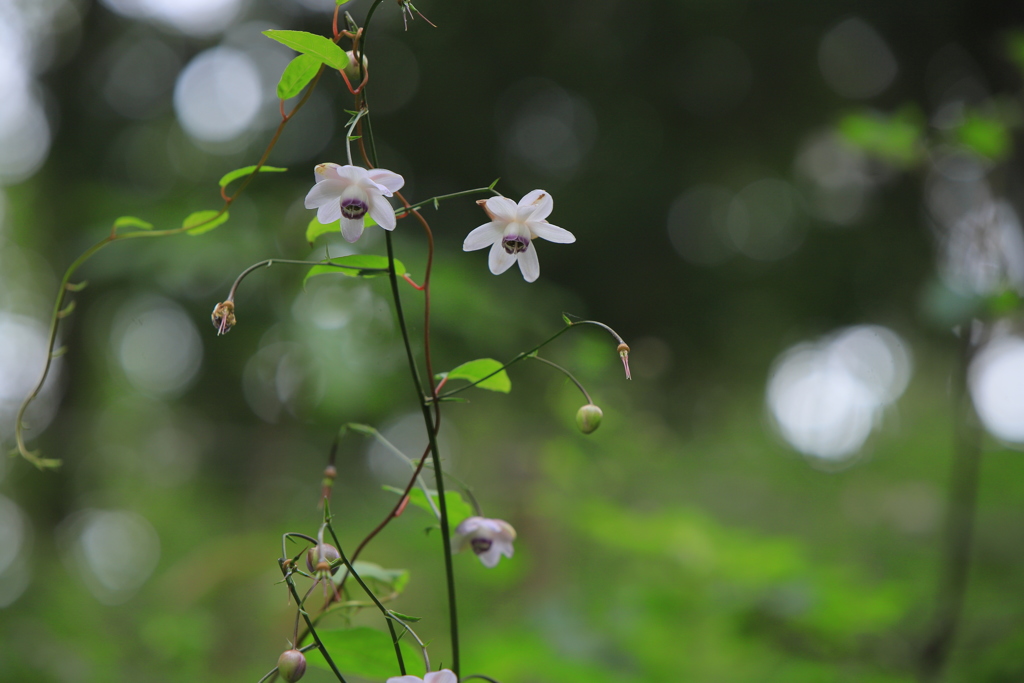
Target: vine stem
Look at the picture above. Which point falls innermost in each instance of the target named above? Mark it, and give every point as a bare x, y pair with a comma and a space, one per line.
65, 286
567, 374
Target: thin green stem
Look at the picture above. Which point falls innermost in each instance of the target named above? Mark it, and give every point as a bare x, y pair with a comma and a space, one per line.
527, 354
370, 431
309, 624
405, 211
567, 374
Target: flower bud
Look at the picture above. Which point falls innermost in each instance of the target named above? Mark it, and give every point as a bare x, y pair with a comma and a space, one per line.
291, 665
352, 70
223, 316
315, 558
588, 418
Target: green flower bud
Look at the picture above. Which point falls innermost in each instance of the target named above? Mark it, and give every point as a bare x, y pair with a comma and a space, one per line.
291, 665
588, 418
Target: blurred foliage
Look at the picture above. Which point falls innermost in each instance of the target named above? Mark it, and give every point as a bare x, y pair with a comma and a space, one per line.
682, 541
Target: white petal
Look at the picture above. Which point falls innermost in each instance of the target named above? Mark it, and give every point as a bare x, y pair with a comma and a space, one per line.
352, 175
326, 171
551, 233
490, 557
326, 191
504, 547
539, 203
499, 260
392, 181
351, 228
484, 236
328, 213
406, 679
528, 263
502, 208
442, 676
381, 211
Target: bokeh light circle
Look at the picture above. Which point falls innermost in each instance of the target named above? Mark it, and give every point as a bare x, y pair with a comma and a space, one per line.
218, 95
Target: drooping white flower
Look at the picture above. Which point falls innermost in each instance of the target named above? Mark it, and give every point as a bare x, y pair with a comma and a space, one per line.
511, 232
442, 676
489, 538
349, 193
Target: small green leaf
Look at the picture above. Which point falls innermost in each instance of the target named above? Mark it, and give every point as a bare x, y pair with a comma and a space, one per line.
458, 508
356, 265
566, 319
365, 652
316, 228
895, 138
405, 617
203, 221
311, 44
227, 178
297, 75
392, 580
132, 222
339, 3
476, 370
984, 135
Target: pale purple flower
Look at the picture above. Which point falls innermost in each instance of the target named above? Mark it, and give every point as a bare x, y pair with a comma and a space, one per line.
489, 538
512, 230
349, 193
442, 676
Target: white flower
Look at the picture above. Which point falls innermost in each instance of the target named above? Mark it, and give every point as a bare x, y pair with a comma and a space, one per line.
442, 676
489, 538
511, 232
349, 193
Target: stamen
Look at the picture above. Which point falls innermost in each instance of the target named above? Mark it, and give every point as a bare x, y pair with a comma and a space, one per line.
513, 244
354, 208
481, 545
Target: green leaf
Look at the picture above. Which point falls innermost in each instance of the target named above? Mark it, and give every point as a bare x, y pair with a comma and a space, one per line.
984, 135
339, 3
897, 138
476, 370
203, 221
227, 178
132, 222
311, 44
393, 580
458, 508
297, 75
356, 265
566, 319
365, 652
316, 228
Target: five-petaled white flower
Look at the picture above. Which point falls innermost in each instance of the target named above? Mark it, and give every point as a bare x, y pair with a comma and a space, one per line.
442, 676
511, 232
489, 538
349, 193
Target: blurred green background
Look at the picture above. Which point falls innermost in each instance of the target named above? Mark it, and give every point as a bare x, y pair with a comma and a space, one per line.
785, 208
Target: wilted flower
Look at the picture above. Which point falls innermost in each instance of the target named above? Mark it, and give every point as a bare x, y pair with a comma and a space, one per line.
511, 232
223, 316
349, 193
442, 676
489, 538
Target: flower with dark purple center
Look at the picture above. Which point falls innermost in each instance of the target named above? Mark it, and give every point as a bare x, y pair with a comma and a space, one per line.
348, 193
489, 538
512, 230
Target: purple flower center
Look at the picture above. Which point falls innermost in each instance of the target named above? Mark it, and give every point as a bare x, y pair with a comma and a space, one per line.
513, 244
481, 545
353, 208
